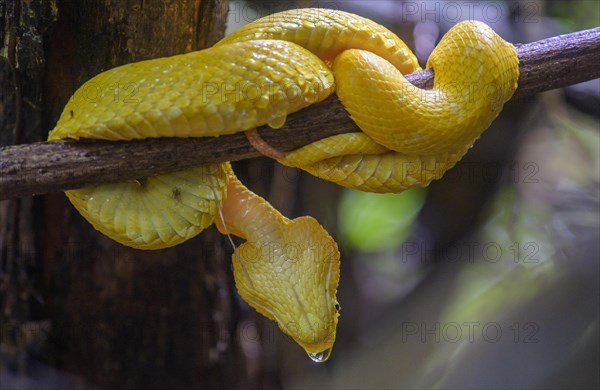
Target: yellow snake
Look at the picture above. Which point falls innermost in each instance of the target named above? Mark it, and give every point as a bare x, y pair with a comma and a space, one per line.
288, 270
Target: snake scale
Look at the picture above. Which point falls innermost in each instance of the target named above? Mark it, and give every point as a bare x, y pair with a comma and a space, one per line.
288, 270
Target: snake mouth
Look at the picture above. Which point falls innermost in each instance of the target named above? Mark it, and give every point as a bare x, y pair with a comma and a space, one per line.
313, 345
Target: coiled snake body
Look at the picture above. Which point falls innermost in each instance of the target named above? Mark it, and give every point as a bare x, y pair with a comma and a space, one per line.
288, 270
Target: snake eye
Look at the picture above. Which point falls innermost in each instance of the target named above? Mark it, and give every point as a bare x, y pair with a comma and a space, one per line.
337, 307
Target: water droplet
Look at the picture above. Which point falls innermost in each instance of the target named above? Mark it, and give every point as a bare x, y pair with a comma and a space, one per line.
277, 122
320, 357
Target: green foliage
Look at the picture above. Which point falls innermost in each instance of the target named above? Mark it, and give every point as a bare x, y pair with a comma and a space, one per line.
371, 222
574, 15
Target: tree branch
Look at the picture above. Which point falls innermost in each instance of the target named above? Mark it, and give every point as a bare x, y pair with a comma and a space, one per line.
53, 166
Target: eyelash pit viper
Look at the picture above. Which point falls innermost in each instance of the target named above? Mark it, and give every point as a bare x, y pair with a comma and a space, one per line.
288, 270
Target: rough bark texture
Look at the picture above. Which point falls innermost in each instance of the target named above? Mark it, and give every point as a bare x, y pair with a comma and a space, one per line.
558, 62
42, 167
117, 317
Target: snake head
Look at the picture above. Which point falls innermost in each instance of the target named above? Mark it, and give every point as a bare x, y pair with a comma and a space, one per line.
292, 279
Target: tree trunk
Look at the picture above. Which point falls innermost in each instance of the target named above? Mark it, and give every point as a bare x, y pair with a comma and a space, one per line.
114, 316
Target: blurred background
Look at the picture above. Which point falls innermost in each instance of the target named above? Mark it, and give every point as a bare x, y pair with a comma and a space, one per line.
488, 278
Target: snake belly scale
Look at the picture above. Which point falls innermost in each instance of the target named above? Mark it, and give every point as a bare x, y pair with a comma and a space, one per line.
288, 270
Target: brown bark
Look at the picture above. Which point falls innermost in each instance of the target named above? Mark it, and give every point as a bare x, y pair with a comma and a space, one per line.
117, 317
38, 168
